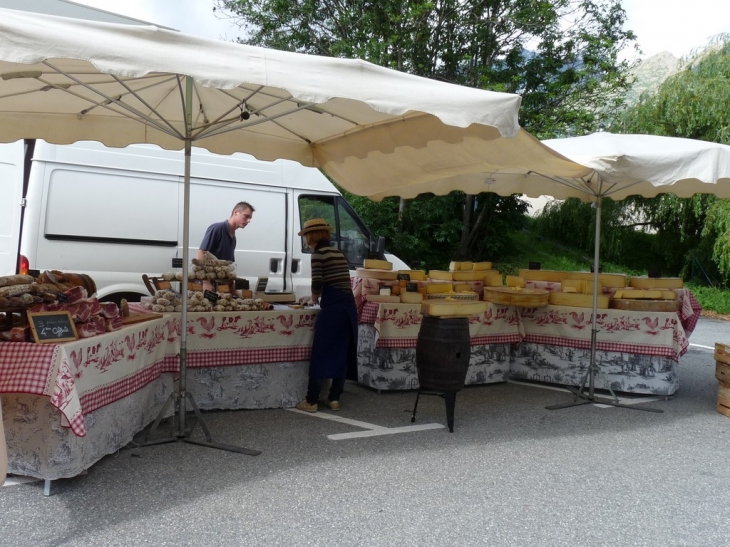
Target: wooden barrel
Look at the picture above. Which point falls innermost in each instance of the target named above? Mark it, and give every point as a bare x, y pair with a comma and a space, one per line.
443, 349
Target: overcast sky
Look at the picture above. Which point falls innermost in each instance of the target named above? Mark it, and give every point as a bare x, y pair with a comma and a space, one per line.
677, 26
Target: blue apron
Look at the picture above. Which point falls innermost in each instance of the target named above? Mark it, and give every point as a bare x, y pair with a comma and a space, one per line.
334, 348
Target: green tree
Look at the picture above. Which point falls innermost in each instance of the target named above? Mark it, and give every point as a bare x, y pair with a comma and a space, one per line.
561, 56
694, 103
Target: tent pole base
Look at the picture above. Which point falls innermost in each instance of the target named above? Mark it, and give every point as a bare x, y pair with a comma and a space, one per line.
590, 397
180, 399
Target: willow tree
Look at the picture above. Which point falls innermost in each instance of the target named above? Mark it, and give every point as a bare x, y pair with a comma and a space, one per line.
694, 103
561, 56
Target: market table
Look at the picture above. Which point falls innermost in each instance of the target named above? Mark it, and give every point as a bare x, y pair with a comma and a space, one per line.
638, 351
249, 359
67, 405
387, 335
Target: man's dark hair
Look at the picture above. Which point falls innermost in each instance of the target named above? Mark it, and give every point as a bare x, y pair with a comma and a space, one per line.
242, 205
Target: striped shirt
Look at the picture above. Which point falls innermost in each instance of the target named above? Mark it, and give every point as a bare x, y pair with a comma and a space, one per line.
329, 267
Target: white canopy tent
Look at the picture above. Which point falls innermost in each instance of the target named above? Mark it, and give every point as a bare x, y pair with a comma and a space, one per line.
618, 166
64, 80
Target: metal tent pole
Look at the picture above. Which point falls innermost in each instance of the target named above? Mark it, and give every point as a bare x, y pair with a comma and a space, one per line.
181, 396
593, 368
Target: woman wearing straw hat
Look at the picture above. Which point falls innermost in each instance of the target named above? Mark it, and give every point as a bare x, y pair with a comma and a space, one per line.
334, 348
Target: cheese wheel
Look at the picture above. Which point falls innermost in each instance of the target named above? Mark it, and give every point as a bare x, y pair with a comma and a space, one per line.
493, 280
613, 280
482, 266
543, 275
641, 294
466, 266
396, 290
515, 281
656, 282
440, 275
468, 275
376, 274
577, 300
383, 299
374, 264
454, 266
411, 298
516, 296
583, 286
432, 288
443, 308
415, 275
462, 287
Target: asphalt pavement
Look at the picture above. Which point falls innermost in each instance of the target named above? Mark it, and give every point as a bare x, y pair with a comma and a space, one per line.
511, 474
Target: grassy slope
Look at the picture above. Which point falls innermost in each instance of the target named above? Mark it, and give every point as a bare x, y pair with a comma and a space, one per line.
528, 247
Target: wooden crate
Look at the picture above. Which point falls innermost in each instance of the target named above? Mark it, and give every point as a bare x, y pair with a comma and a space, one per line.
722, 353
723, 397
722, 372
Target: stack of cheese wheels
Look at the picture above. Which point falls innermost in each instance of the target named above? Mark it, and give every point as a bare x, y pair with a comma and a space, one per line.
555, 276
640, 282
645, 300
377, 269
517, 296
452, 308
578, 300
608, 280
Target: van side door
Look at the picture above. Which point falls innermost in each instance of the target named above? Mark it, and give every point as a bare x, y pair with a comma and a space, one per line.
261, 247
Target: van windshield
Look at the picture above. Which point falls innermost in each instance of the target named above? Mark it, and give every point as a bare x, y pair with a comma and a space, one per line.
350, 235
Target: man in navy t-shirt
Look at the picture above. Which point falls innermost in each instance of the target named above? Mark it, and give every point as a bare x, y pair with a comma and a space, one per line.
220, 238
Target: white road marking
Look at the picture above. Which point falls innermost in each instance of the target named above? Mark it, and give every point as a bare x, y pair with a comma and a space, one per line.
703, 347
372, 430
383, 431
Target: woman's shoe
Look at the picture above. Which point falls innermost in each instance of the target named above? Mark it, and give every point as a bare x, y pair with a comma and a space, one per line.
332, 405
306, 407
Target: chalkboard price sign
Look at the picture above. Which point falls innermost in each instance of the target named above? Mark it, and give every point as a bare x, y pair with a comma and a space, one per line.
211, 296
52, 327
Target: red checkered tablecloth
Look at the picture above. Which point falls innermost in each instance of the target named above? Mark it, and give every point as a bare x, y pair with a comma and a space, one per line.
86, 374
639, 332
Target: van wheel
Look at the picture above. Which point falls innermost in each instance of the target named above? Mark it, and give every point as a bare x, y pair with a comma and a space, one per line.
117, 297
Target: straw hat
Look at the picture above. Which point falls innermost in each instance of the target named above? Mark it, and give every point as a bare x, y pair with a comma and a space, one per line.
315, 224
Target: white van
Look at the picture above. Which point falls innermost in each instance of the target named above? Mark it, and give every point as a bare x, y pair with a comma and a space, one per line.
116, 214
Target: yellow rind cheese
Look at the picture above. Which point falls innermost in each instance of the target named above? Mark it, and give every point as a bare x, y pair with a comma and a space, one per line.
543, 275
466, 266
468, 275
442, 308
577, 300
656, 282
440, 275
515, 281
374, 264
641, 294
612, 280
433, 288
481, 266
583, 286
383, 275
411, 297
415, 275
493, 280
454, 266
462, 287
